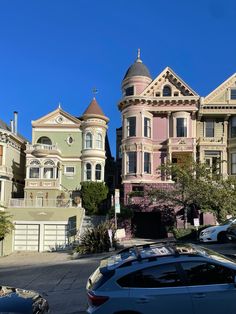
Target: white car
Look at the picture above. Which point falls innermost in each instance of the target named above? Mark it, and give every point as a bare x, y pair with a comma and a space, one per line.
216, 233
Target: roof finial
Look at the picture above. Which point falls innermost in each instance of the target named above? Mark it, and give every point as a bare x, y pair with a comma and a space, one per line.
94, 91
138, 57
59, 105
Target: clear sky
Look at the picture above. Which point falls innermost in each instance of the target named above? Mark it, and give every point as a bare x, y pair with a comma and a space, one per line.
55, 51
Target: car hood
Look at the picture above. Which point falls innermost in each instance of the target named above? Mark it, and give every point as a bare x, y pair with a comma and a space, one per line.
16, 300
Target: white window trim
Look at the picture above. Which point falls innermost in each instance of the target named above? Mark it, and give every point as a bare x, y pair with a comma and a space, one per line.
69, 174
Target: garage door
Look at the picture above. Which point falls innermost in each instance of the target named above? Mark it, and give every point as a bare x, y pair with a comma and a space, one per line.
55, 237
26, 237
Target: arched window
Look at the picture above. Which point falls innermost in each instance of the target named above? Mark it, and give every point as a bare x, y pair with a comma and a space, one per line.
44, 140
88, 171
88, 140
166, 91
99, 141
48, 170
98, 172
34, 170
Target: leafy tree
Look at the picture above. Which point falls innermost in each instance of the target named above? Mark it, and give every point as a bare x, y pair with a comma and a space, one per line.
93, 194
196, 186
6, 226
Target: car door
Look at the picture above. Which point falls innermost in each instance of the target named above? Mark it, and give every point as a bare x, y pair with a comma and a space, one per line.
211, 287
158, 289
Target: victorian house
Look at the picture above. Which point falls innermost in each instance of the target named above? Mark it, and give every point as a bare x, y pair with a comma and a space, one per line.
65, 151
165, 119
12, 162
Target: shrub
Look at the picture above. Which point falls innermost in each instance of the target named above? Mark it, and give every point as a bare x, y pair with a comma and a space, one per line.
93, 193
96, 240
188, 234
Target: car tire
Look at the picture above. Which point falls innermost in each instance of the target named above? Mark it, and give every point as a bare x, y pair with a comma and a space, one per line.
222, 238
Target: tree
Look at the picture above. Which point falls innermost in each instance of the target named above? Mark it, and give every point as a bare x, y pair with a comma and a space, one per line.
196, 186
93, 193
6, 226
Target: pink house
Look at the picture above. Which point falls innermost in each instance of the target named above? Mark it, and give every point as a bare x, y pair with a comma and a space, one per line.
158, 124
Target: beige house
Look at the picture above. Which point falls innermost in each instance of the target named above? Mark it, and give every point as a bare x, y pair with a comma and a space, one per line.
216, 128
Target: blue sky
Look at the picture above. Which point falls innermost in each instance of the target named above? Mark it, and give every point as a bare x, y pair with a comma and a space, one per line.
55, 51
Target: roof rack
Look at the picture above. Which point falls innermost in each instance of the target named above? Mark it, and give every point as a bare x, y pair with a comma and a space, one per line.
168, 243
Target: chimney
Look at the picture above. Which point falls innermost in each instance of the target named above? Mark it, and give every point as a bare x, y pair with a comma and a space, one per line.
15, 122
12, 126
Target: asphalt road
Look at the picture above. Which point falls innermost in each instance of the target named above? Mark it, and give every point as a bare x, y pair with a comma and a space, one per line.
59, 278
62, 282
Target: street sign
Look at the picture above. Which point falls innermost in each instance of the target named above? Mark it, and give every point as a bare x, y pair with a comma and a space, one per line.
117, 208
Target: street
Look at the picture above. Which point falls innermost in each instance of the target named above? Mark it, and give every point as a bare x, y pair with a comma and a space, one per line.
62, 282
59, 278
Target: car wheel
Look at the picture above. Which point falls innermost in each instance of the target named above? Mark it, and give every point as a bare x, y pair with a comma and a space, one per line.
222, 238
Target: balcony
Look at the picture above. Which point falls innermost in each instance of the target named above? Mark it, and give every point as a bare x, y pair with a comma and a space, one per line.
176, 144
212, 141
41, 183
43, 203
42, 150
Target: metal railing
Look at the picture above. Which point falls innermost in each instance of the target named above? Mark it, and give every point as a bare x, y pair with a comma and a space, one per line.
42, 202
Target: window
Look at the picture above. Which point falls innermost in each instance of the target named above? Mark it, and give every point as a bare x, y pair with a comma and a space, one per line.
209, 128
181, 124
213, 161
203, 273
153, 277
88, 171
88, 140
70, 140
1, 154
233, 94
99, 141
176, 93
44, 140
129, 91
147, 163
34, 170
131, 126
166, 91
233, 127
69, 170
131, 163
48, 169
147, 127
233, 163
98, 172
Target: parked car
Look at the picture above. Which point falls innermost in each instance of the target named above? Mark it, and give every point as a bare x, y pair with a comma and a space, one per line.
231, 232
14, 300
163, 278
216, 233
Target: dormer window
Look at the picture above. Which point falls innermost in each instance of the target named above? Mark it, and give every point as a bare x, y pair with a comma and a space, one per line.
166, 91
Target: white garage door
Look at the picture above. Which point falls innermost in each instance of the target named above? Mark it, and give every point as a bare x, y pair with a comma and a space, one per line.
55, 237
26, 237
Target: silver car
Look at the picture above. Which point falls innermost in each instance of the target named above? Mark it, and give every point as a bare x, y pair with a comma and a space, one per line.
163, 278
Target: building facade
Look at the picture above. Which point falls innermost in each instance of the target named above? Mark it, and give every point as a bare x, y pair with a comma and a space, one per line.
164, 119
12, 162
65, 151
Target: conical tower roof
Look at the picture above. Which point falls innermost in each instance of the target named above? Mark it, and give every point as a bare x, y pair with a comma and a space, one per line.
94, 109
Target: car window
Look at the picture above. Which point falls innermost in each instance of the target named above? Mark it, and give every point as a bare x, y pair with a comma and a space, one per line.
203, 273
153, 277
228, 221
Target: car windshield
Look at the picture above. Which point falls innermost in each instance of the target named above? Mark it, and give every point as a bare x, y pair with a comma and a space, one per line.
217, 256
226, 222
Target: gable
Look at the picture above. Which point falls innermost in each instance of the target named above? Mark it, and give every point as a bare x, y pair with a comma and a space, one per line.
221, 94
168, 78
57, 118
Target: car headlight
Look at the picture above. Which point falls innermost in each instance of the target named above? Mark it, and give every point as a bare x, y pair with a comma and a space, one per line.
40, 306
